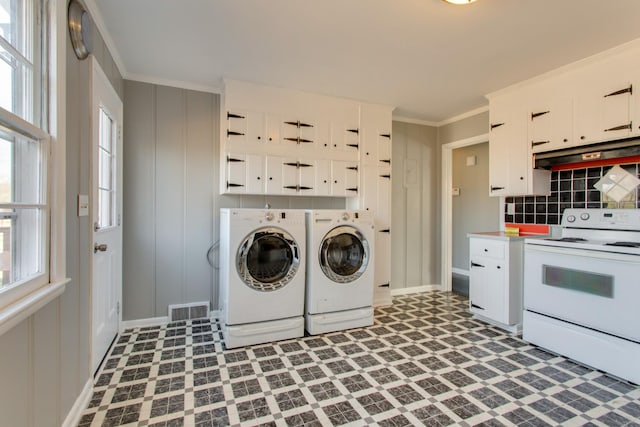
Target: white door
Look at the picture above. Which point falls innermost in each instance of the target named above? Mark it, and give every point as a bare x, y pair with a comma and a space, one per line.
106, 210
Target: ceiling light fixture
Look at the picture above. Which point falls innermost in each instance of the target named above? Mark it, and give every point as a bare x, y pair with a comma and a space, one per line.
460, 1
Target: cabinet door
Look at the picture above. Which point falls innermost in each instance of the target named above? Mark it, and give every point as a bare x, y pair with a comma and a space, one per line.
236, 173
345, 136
273, 128
499, 138
488, 289
290, 176
384, 147
382, 258
254, 164
256, 129
236, 128
274, 172
323, 177
384, 196
369, 193
550, 124
307, 175
603, 112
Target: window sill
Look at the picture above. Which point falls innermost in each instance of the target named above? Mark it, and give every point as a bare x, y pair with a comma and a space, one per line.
15, 313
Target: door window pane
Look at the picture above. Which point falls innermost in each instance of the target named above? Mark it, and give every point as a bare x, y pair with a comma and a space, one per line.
106, 171
581, 281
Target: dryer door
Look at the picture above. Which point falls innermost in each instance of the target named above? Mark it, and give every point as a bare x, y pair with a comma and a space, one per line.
344, 254
268, 259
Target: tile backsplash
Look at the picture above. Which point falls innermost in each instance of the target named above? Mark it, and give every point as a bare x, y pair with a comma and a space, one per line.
569, 189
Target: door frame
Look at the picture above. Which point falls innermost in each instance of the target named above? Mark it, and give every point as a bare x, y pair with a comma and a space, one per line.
446, 212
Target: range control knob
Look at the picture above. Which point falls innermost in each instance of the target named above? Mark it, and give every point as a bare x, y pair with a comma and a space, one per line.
268, 216
571, 218
345, 216
585, 216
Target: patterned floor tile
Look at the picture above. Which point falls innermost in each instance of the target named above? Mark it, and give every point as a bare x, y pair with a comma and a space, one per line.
425, 361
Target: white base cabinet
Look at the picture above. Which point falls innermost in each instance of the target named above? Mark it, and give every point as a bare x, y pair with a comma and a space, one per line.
495, 279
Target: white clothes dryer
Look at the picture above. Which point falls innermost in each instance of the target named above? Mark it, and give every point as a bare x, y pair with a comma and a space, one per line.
262, 275
340, 270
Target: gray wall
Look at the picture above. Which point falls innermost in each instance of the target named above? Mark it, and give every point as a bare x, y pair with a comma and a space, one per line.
44, 361
473, 209
415, 236
171, 200
465, 128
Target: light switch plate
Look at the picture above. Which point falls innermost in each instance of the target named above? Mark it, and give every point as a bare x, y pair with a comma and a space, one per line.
83, 205
455, 191
471, 160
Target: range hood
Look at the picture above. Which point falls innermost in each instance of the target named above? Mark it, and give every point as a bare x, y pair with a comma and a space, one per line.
602, 151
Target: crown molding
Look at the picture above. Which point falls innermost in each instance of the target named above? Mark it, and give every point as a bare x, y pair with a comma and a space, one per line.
414, 121
96, 16
463, 116
174, 83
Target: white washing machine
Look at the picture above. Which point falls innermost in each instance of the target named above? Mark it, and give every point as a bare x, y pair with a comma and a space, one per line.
340, 270
262, 275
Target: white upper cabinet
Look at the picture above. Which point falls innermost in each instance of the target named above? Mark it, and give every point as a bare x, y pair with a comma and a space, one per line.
550, 123
511, 171
297, 143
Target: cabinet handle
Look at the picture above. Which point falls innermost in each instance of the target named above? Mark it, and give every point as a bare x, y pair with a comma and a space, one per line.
496, 125
477, 306
234, 133
621, 127
628, 90
475, 264
298, 140
231, 184
234, 116
493, 188
385, 230
536, 143
299, 124
232, 160
356, 131
385, 176
353, 146
388, 161
352, 189
541, 113
386, 135
352, 168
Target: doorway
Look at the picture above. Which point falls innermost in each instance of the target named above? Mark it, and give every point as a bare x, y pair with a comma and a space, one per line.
105, 210
447, 206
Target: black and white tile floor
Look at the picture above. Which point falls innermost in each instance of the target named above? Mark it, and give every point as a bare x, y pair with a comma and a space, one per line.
424, 362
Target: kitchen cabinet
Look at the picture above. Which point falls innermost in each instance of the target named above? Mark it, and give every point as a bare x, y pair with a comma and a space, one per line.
550, 123
344, 178
511, 171
375, 194
495, 279
245, 173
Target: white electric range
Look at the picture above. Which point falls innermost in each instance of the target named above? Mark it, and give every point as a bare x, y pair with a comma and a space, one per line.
582, 290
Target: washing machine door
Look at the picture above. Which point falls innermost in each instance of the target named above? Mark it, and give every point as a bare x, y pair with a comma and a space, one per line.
344, 254
268, 259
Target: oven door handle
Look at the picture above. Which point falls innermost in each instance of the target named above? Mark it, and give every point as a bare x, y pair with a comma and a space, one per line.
587, 253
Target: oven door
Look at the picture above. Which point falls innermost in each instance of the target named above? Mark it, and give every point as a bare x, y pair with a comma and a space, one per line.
598, 290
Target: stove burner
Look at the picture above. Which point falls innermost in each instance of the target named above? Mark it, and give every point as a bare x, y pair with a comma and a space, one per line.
569, 239
625, 244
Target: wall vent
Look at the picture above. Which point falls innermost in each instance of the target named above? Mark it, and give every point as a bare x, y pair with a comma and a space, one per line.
190, 311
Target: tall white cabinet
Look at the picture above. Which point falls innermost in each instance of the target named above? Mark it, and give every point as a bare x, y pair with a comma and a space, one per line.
375, 181
277, 141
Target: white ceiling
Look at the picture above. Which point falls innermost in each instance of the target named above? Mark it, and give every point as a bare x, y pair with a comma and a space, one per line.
429, 59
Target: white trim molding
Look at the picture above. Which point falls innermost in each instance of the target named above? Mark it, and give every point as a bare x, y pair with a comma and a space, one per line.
179, 84
463, 116
415, 290
414, 121
156, 321
446, 206
460, 271
75, 413
15, 313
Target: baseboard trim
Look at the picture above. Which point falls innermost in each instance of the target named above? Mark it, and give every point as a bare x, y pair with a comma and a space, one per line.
155, 321
415, 290
460, 271
81, 403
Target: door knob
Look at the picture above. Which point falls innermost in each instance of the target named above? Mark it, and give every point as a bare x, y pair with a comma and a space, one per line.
99, 247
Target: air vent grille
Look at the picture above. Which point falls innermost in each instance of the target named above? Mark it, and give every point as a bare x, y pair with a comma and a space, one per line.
190, 311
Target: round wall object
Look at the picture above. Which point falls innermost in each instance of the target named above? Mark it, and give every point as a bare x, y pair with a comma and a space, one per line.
80, 29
